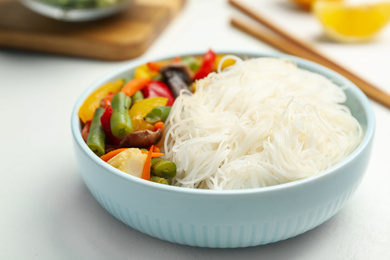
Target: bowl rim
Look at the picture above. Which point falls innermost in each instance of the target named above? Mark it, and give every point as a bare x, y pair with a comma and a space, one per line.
303, 63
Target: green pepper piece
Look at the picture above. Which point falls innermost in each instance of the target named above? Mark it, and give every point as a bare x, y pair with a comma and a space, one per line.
163, 168
105, 3
159, 77
191, 62
158, 114
137, 96
97, 136
158, 180
120, 121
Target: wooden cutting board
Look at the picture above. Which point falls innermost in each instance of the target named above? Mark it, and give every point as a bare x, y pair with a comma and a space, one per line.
120, 37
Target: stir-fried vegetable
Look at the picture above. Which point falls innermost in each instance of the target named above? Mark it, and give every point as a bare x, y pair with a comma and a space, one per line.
140, 109
123, 123
107, 100
146, 170
157, 65
143, 71
134, 85
89, 106
111, 154
141, 139
96, 137
85, 131
137, 96
163, 168
177, 76
158, 180
120, 122
105, 121
158, 114
157, 88
191, 62
130, 161
207, 65
159, 125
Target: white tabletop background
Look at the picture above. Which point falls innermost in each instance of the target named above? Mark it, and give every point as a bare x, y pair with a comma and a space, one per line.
46, 212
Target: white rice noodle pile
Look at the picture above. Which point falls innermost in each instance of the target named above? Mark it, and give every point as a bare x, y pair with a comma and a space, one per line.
258, 123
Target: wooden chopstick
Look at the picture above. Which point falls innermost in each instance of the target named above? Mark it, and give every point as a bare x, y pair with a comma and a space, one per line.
289, 44
272, 39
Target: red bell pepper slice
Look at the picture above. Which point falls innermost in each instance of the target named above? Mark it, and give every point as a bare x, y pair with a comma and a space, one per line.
85, 131
105, 121
157, 88
207, 65
106, 101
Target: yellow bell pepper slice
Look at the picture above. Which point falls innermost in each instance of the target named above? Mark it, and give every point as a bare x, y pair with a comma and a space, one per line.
89, 106
143, 71
140, 109
226, 63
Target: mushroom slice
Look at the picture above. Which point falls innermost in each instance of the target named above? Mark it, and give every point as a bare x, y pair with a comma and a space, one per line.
141, 139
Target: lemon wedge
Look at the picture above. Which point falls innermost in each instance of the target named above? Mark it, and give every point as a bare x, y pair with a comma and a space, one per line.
352, 23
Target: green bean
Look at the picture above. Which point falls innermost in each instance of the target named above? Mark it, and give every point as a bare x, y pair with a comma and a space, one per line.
158, 179
103, 3
191, 62
120, 121
96, 136
158, 114
138, 96
81, 3
159, 77
163, 168
71, 3
126, 79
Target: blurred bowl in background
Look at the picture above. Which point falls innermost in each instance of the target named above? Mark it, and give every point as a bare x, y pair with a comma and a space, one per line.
76, 10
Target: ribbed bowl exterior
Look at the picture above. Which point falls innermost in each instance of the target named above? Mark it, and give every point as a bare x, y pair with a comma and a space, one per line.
215, 235
226, 219
223, 220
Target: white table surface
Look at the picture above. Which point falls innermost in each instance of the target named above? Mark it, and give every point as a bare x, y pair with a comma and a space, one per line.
46, 212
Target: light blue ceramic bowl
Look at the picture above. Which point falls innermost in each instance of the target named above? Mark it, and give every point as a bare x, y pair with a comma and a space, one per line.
227, 219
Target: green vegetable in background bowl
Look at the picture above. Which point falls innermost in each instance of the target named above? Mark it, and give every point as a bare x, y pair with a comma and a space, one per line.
81, 3
76, 10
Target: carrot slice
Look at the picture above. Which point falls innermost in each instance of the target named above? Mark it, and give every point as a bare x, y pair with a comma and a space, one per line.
156, 66
111, 154
176, 59
159, 125
154, 154
156, 149
134, 85
148, 162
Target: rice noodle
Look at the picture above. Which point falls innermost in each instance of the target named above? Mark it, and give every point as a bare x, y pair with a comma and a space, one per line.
258, 123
